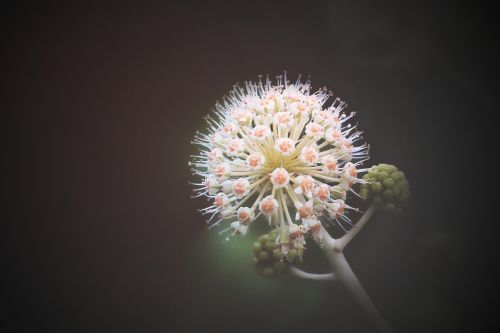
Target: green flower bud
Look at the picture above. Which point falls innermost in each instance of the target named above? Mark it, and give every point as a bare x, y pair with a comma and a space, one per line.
373, 172
263, 239
386, 168
388, 182
270, 245
387, 195
364, 193
387, 187
382, 175
397, 175
257, 247
268, 257
376, 187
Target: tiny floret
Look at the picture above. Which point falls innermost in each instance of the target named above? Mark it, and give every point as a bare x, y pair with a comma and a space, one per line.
220, 200
322, 192
285, 146
241, 187
255, 160
268, 205
280, 178
283, 120
245, 215
329, 164
314, 130
260, 132
309, 155
222, 170
305, 185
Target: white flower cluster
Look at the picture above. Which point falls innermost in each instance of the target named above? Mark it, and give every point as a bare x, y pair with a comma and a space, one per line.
279, 151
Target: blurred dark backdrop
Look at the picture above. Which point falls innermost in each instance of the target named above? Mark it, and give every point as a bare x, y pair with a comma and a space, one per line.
102, 100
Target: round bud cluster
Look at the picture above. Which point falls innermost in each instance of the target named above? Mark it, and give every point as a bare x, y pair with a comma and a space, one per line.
268, 258
386, 187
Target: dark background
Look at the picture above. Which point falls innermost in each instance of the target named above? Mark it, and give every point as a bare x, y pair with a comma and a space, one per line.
102, 100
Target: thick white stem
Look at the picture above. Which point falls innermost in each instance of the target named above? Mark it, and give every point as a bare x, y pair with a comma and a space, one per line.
311, 276
344, 273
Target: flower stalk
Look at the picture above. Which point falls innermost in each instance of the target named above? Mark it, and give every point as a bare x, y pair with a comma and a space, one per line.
342, 271
311, 276
341, 243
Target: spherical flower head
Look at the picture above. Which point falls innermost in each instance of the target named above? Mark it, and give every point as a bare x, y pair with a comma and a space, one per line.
282, 151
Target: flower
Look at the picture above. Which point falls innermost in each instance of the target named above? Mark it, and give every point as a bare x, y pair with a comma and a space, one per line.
280, 151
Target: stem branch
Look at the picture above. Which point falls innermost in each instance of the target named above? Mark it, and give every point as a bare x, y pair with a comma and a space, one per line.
312, 276
341, 243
